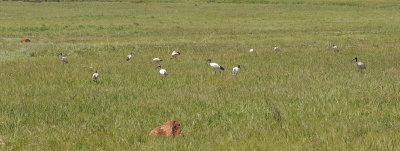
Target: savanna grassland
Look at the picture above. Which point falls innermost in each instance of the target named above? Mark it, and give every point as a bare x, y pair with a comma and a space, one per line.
304, 98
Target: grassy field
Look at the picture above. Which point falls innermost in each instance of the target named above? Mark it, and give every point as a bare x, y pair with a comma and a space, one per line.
304, 98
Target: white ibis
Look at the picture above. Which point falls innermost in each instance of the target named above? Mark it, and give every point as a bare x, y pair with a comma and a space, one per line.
63, 59
236, 70
335, 48
129, 57
277, 49
157, 60
95, 76
163, 72
215, 66
175, 54
360, 65
251, 50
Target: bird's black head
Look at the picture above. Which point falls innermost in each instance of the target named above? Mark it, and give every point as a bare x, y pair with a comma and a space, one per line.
60, 53
159, 67
238, 66
178, 52
95, 71
208, 60
355, 58
333, 45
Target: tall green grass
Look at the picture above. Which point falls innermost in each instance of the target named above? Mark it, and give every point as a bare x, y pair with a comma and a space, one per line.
304, 98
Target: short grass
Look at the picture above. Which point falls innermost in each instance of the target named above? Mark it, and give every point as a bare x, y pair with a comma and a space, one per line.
303, 98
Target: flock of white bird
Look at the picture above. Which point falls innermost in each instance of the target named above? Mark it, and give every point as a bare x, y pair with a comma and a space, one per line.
215, 66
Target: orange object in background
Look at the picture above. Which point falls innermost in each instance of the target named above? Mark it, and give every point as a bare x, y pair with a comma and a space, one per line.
25, 40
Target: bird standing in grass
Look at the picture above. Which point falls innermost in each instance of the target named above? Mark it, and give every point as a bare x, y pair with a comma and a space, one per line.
63, 59
163, 72
360, 65
95, 76
236, 70
215, 66
129, 57
277, 49
157, 60
175, 54
335, 48
251, 50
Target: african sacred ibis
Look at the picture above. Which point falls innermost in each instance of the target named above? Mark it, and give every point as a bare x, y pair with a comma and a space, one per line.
277, 49
175, 54
129, 57
95, 76
163, 72
251, 50
63, 59
335, 48
215, 66
157, 60
236, 70
360, 65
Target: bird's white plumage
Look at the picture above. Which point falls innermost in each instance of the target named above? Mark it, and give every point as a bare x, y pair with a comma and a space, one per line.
235, 70
129, 57
95, 76
175, 54
361, 65
157, 60
276, 48
335, 48
163, 72
251, 50
215, 66
63, 59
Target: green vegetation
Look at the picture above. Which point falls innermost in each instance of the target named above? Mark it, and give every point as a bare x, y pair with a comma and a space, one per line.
304, 98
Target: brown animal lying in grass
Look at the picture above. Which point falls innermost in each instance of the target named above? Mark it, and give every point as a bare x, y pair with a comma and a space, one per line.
2, 142
171, 128
25, 40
